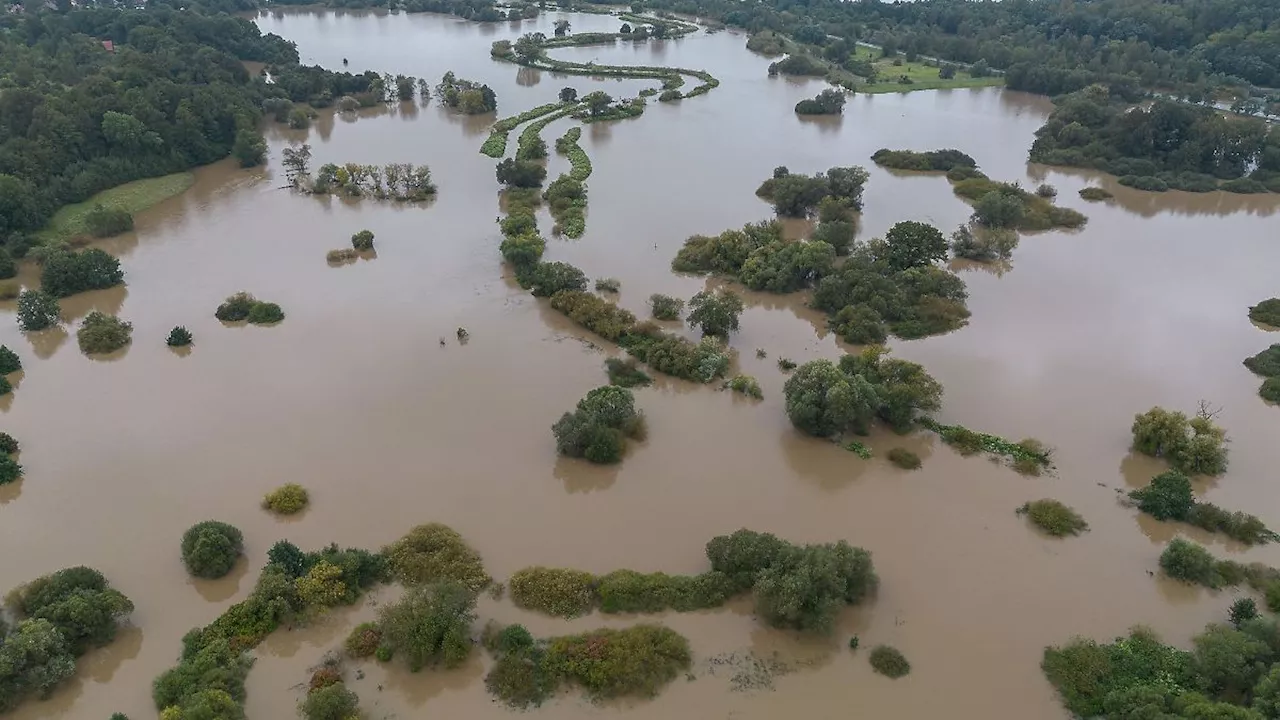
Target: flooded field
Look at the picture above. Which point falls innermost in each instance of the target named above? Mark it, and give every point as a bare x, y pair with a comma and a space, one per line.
354, 396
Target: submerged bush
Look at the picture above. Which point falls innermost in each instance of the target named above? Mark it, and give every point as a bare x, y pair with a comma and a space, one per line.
101, 333
1193, 446
235, 307
554, 591
666, 307
9, 361
1270, 390
1265, 363
628, 591
806, 586
548, 278
1266, 312
904, 458
179, 336
430, 625
10, 470
363, 641
210, 548
331, 702
597, 429
1054, 517
715, 313
37, 310
1094, 194
8, 444
434, 553
626, 372
889, 661
362, 241
1167, 497
746, 385
1188, 561
609, 285
265, 313
287, 499
633, 662
64, 272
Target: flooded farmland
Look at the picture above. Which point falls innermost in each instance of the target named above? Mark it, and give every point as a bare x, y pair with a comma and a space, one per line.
355, 397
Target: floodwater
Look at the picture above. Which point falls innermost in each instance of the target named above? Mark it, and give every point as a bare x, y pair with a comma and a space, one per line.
354, 397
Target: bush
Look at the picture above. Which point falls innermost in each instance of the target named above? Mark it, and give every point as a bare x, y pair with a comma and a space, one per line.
521, 173
933, 160
746, 385
786, 364
362, 241
1242, 610
8, 444
715, 313
597, 429
1189, 562
1265, 363
37, 310
1193, 446
1270, 390
265, 313
105, 222
66, 273
1045, 190
594, 313
210, 548
1167, 497
860, 325
10, 470
8, 268
1266, 312
806, 586
332, 702
547, 279
430, 625
889, 661
78, 602
236, 307
670, 95
988, 245
904, 459
287, 499
626, 372
633, 662
435, 553
519, 678
363, 641
609, 285
742, 555
628, 591
666, 307
100, 333
1095, 194
9, 361
178, 337
1054, 518
554, 591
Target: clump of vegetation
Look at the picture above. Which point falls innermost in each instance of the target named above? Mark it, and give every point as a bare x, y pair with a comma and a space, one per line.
404, 182
825, 399
465, 96
9, 361
340, 256
626, 372
435, 553
288, 499
65, 272
1266, 312
1029, 456
1194, 446
609, 285
179, 336
600, 425
8, 444
265, 313
38, 310
554, 591
566, 198
103, 221
243, 306
858, 448
986, 245
1169, 497
549, 278
1265, 363
827, 102
715, 313
1242, 611
330, 702
1095, 194
929, 161
10, 470
746, 385
1054, 517
362, 241
59, 618
1007, 205
628, 591
364, 640
1189, 562
666, 307
786, 364
795, 195
430, 626
904, 459
889, 661
101, 333
210, 548
521, 173
1270, 390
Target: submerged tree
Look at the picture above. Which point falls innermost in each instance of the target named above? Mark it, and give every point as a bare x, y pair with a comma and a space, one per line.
715, 313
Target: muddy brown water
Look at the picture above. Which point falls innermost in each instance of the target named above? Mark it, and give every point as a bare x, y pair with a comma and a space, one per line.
354, 397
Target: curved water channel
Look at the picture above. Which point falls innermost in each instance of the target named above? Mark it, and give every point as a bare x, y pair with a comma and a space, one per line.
354, 397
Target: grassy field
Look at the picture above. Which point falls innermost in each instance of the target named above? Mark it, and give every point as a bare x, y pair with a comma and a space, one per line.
922, 76
132, 197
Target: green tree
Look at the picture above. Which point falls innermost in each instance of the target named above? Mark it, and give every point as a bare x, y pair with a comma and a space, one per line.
66, 273
715, 313
529, 46
568, 94
1228, 661
911, 244
1168, 497
210, 548
37, 310
521, 173
1266, 694
806, 587
34, 658
999, 209
331, 702
249, 148
362, 240
289, 558
743, 555
598, 427
598, 102
430, 625
9, 361
548, 278
101, 333
821, 401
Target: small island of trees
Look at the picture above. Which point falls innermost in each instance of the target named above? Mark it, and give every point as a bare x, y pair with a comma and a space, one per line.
827, 102
466, 96
600, 425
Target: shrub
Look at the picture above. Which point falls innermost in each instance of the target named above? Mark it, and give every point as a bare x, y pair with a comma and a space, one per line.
1094, 194
210, 548
8, 268
633, 662
523, 252
9, 361
746, 385
1242, 610
548, 278
594, 313
626, 372
235, 307
289, 558
987, 245
104, 222
1045, 190
287, 499
363, 641
860, 325
1266, 312
1167, 497
519, 678
521, 173
10, 470
597, 429
265, 313
933, 160
1054, 518
513, 638
1195, 446
1189, 562
904, 459
1265, 363
179, 336
610, 285
332, 702
66, 273
670, 95
554, 591
786, 364
715, 313
434, 553
1270, 390
100, 333
323, 677
666, 307
806, 586
362, 241
628, 591
37, 310
323, 586
889, 661
78, 602
430, 625
8, 444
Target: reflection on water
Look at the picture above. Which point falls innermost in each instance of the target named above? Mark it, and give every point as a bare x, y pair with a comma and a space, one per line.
354, 397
